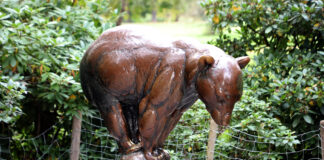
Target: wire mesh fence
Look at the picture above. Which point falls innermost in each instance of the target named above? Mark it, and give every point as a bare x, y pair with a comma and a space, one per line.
187, 141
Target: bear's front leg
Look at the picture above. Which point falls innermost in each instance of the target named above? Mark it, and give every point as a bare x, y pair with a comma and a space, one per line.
149, 129
151, 124
154, 111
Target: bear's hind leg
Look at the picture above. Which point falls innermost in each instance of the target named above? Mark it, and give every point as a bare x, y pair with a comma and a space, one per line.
116, 124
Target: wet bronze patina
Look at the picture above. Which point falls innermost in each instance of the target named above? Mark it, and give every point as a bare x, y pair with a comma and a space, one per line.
142, 83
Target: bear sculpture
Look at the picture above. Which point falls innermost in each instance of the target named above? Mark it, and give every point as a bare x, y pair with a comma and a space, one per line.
142, 83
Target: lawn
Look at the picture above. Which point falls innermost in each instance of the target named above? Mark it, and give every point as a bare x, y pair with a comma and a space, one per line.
198, 30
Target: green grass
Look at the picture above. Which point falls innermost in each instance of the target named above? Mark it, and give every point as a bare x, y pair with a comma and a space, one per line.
198, 30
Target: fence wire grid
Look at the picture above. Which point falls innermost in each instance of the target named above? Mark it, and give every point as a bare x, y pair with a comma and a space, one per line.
186, 142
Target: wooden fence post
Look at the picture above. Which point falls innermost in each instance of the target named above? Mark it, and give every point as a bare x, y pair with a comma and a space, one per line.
76, 134
213, 128
322, 137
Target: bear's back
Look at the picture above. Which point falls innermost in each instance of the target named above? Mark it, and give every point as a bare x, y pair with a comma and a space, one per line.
127, 60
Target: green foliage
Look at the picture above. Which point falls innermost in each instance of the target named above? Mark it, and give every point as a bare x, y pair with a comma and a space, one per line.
258, 131
296, 88
283, 26
97, 143
11, 92
141, 10
255, 128
190, 135
41, 46
285, 39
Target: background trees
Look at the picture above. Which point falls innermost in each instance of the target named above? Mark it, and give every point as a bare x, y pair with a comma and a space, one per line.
155, 10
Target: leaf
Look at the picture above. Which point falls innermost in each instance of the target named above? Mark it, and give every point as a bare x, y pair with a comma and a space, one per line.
305, 16
304, 71
285, 141
268, 30
6, 23
276, 97
11, 10
13, 62
5, 17
308, 119
286, 105
52, 23
252, 128
296, 122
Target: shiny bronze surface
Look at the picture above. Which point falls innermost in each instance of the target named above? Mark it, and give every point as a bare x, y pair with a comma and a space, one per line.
142, 83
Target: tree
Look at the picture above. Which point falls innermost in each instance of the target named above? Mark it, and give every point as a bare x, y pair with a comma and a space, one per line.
154, 9
120, 19
139, 10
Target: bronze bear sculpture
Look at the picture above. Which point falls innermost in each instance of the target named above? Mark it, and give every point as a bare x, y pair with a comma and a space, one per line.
142, 83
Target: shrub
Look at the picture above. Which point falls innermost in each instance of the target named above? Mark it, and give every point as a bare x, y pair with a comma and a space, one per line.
41, 45
282, 26
270, 135
285, 39
255, 129
188, 140
11, 92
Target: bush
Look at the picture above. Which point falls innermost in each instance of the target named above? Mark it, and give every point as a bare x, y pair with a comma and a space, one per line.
190, 135
41, 46
255, 129
270, 135
282, 26
11, 92
286, 41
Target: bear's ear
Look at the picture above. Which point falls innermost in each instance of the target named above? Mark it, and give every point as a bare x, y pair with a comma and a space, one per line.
205, 62
243, 61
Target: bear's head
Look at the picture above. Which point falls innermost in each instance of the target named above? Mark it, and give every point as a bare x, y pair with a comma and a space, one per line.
219, 85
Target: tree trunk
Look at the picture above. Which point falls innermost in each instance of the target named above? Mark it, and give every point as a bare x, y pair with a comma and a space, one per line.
129, 12
177, 18
153, 16
154, 10
120, 19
